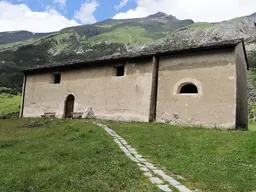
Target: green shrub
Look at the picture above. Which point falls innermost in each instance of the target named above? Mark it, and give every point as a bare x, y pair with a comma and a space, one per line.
9, 115
10, 91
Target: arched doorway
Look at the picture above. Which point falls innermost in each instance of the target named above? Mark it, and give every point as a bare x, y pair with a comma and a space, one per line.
69, 106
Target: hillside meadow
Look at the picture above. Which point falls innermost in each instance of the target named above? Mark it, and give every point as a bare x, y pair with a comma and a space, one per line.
76, 155
64, 155
9, 104
208, 159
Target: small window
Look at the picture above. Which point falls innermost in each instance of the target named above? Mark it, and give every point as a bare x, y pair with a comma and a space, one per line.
119, 70
188, 89
57, 78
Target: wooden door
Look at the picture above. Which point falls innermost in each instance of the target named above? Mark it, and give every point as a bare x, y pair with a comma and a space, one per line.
69, 106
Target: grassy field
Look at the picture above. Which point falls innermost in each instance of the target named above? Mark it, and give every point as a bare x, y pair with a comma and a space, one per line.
16, 44
64, 155
9, 103
197, 25
210, 160
75, 155
239, 18
200, 25
252, 127
124, 35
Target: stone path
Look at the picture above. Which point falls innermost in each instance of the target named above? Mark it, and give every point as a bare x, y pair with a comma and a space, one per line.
154, 174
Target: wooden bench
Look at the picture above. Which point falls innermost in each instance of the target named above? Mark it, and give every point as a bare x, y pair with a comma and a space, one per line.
48, 115
77, 115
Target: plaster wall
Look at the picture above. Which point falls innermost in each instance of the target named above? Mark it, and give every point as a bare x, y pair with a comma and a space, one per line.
118, 98
214, 73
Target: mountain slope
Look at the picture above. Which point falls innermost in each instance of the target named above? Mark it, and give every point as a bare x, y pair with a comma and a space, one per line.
253, 15
100, 39
157, 25
118, 37
18, 36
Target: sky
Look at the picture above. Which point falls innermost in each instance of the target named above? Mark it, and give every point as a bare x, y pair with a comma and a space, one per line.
53, 15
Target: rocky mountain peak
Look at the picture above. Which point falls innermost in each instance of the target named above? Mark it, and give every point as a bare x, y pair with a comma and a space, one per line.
161, 15
253, 15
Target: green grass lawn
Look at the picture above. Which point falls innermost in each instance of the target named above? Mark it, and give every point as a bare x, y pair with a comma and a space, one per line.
75, 155
210, 160
9, 103
252, 127
64, 155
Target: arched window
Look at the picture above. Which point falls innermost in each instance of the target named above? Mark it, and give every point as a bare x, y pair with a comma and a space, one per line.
188, 88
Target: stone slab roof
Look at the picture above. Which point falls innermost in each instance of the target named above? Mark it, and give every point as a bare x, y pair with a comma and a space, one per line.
143, 53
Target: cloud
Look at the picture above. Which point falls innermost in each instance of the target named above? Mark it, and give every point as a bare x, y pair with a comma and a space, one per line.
85, 14
62, 3
198, 10
122, 4
20, 17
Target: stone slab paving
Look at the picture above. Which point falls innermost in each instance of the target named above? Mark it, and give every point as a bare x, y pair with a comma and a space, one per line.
154, 174
164, 188
156, 180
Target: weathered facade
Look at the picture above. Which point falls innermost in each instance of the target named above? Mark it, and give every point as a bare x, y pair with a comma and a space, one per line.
198, 86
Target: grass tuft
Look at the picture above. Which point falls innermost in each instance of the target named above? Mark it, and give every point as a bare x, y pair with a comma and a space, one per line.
6, 144
45, 166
